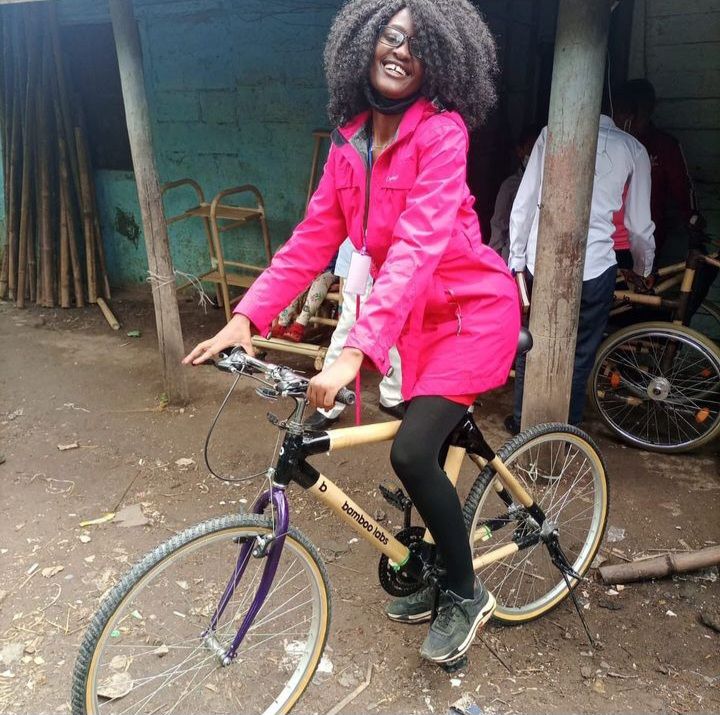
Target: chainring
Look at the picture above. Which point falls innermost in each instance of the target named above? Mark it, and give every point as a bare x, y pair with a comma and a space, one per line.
399, 583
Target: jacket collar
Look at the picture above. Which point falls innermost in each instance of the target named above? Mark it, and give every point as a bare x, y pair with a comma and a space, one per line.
409, 122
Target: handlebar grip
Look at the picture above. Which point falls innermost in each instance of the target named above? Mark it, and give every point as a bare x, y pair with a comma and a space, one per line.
345, 396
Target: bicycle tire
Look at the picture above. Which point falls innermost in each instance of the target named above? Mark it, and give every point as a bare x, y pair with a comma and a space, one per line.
155, 571
706, 320
669, 409
517, 603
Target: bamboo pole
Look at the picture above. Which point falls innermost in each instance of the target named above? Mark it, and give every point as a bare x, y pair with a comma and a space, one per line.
86, 174
64, 266
27, 164
46, 293
6, 118
12, 181
66, 121
32, 264
87, 218
660, 566
72, 230
109, 316
167, 315
66, 202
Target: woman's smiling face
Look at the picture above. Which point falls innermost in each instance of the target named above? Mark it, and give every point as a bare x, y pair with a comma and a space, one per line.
395, 72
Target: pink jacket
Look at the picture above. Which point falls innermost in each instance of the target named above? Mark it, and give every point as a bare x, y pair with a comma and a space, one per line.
447, 300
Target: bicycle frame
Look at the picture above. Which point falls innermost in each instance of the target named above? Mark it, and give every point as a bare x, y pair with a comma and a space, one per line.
293, 467
679, 273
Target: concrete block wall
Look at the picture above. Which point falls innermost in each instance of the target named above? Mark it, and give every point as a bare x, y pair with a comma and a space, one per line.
235, 91
676, 45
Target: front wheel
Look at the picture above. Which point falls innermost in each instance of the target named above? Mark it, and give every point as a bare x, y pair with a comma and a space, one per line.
565, 474
149, 648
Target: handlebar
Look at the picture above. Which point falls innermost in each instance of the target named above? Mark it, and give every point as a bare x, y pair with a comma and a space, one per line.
283, 382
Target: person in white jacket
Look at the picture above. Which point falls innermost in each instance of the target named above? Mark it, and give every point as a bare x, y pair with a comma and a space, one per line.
391, 401
622, 168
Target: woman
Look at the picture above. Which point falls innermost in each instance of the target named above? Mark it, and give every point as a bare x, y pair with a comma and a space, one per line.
405, 78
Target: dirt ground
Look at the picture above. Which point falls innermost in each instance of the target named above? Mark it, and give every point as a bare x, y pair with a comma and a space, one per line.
66, 378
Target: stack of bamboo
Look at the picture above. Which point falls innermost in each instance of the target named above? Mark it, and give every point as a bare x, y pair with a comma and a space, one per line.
53, 252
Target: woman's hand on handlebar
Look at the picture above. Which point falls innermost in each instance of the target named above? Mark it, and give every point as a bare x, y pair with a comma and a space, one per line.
324, 387
236, 332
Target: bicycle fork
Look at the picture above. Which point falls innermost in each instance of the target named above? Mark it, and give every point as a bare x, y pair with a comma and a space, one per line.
257, 547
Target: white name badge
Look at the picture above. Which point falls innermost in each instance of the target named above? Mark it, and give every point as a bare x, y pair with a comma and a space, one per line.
356, 282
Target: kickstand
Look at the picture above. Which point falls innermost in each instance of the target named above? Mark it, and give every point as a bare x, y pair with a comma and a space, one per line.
579, 612
563, 565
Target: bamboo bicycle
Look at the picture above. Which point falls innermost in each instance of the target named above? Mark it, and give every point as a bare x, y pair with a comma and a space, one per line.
657, 384
232, 615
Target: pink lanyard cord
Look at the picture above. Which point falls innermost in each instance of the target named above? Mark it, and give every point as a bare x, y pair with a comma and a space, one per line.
358, 401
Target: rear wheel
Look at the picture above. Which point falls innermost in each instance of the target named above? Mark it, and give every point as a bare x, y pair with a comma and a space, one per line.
148, 650
706, 320
657, 386
563, 471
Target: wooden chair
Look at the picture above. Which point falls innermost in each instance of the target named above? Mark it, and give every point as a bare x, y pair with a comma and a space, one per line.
218, 217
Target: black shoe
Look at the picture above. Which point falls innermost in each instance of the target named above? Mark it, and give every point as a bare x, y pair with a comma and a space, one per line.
511, 425
453, 631
318, 422
396, 411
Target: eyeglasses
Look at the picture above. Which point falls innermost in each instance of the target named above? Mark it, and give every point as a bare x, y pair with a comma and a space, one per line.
393, 37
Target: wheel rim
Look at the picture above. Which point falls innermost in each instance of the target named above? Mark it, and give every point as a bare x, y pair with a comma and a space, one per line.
707, 320
181, 674
659, 388
567, 480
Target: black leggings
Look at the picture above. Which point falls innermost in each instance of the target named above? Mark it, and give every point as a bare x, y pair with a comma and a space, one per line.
415, 457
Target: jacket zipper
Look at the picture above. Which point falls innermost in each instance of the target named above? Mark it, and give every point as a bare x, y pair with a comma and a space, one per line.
368, 176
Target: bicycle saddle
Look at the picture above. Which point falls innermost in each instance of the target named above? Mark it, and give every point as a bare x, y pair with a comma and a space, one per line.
525, 342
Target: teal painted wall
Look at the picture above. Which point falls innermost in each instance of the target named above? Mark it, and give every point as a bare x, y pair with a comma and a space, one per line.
235, 90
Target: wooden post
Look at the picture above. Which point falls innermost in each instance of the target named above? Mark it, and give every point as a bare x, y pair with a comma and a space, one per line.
569, 172
167, 315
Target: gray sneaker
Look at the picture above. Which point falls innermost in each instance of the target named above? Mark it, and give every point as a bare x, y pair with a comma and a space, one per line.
457, 622
415, 608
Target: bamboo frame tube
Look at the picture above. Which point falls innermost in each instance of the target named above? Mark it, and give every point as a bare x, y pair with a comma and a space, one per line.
511, 483
366, 434
495, 555
353, 515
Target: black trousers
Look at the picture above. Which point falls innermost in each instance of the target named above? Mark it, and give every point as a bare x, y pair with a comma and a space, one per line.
595, 304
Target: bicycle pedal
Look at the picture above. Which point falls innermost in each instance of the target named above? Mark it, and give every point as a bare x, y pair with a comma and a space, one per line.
396, 497
453, 666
